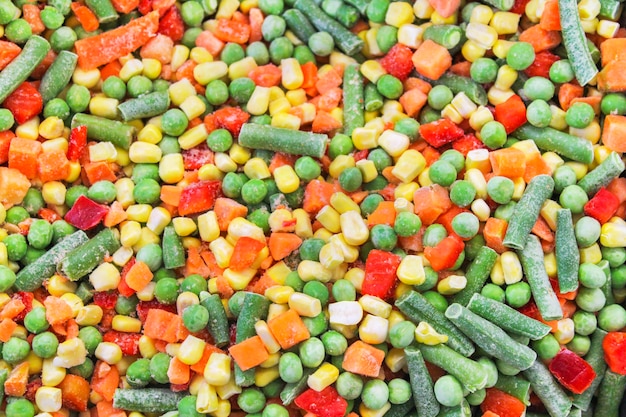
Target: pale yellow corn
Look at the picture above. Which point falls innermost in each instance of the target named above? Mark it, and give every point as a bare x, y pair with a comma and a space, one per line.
210, 172
565, 331
74, 171
51, 127
276, 310
145, 153
172, 168
131, 68
481, 209
401, 204
207, 400
411, 270
239, 280
126, 324
477, 179
579, 168
193, 107
296, 97
590, 254
29, 129
505, 23
105, 277
122, 256
286, 121
463, 105
229, 389
372, 70
57, 144
323, 234
600, 153
558, 118
368, 412
451, 284
139, 212
613, 233
71, 352
497, 96
51, 375
180, 90
342, 203
241, 68
450, 112
53, 192
329, 218
410, 35
179, 56
512, 267
506, 77
102, 151
324, 376
368, 169
548, 212
279, 294
373, 329
256, 168
607, 29
349, 252
286, 179
395, 359
73, 301
405, 192
222, 250
422, 9
130, 233
87, 78
399, 14
426, 334
549, 262
59, 285
48, 399
186, 299
268, 339
280, 220
89, 315
240, 227
191, 350
330, 256
239, 154
409, 165
592, 132
478, 159
150, 133
304, 304
375, 306
364, 138
292, 76
303, 223
438, 19
151, 68
265, 375
193, 137
159, 218
209, 71
259, 101
529, 147
124, 188
497, 274
339, 164
103, 106
394, 143
501, 48
471, 50
589, 9
353, 227
481, 14
208, 226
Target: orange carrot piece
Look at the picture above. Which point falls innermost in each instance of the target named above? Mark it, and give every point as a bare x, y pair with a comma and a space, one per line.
489, 413
75, 392
256, 22
540, 39
160, 48
446, 218
226, 210
431, 59
87, 19
125, 6
32, 15
535, 165
568, 92
53, 165
209, 349
195, 264
15, 385
317, 195
324, 123
288, 329
232, 31
414, 82
550, 19
618, 188
363, 359
23, 154
99, 171
502, 404
309, 73
413, 101
111, 69
5, 143
508, 162
430, 202
115, 215
283, 244
57, 310
329, 79
445, 8
494, 232
138, 276
613, 49
106, 409
178, 372
12, 309
113, 44
170, 194
8, 51
207, 40
249, 353
461, 68
542, 230
385, 213
430, 155
261, 284
7, 327
614, 132
162, 325
611, 78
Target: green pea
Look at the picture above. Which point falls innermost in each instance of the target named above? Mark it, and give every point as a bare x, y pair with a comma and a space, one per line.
351, 179
383, 237
174, 122
494, 292
275, 410
590, 299
159, 364
561, 71
520, 56
317, 290
312, 352
61, 229
343, 290
251, 400
370, 203
63, 39
349, 385
402, 334
442, 172
103, 192
493, 135
194, 283
35, 320
587, 231
7, 278
612, 318
334, 342
500, 189
375, 394
126, 305
195, 318
33, 201
217, 92
389, 86
380, 158
483, 71
546, 347
169, 145
18, 31
613, 103
16, 214
409, 127
340, 144
321, 43
563, 176
6, 120
15, 350
585, 323
454, 157
465, 225
407, 224
152, 255
254, 191
437, 300
78, 97
20, 407
91, 337
316, 325
147, 191
579, 115
434, 234
84, 370
491, 369
573, 197
56, 107
16, 246
258, 51
448, 391
271, 6
591, 275
166, 290
539, 114
399, 391
45, 345
280, 48
192, 13
138, 373
241, 89
462, 193
187, 407
303, 54
518, 294
307, 168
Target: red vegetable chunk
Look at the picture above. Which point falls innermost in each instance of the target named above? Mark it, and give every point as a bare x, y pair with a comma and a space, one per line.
572, 371
614, 346
25, 102
511, 113
380, 273
440, 132
326, 403
602, 206
86, 213
199, 197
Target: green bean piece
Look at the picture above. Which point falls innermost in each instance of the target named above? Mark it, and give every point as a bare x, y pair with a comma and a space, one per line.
293, 389
507, 318
32, 276
575, 42
460, 84
470, 373
476, 274
610, 394
515, 386
105, 130
147, 105
501, 4
610, 9
461, 410
424, 399
218, 321
103, 9
548, 390
147, 400
298, 23
526, 211
399, 410
491, 338
417, 308
360, 5
353, 99
566, 252
603, 174
253, 309
447, 36
531, 258
282, 140
173, 251
20, 68
58, 75
548, 139
84, 258
595, 358
345, 40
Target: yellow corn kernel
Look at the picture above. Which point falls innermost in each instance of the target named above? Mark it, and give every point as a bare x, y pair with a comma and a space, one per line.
324, 376
497, 274
256, 168
368, 169
74, 171
286, 121
89, 315
172, 168
180, 90
73, 301
303, 223
71, 352
280, 219
558, 118
124, 188
472, 51
422, 9
477, 179
512, 267
342, 203
139, 212
372, 43
323, 234
529, 147
395, 359
437, 19
410, 35
305, 305
399, 14
548, 213
505, 23
59, 285
147, 348
130, 233
349, 252
311, 270
224, 163
103, 106
375, 306
193, 137
329, 218
478, 159
279, 105
353, 227
592, 132
292, 76
497, 96
339, 164
191, 350
259, 101
29, 129
151, 68
481, 14
364, 138
549, 262
373, 329
481, 209
122, 256
126, 324
337, 59
144, 153
86, 78
263, 331
607, 29
206, 401
48, 399
184, 226
426, 334
264, 375
147, 293
278, 272
209, 71
506, 77
579, 168
330, 257
532, 11
590, 254
200, 55
241, 68
51, 375
613, 233
372, 70
411, 270
222, 251
402, 204
410, 164
179, 56
130, 68
239, 280
501, 48
463, 105
347, 313
279, 294
600, 153
451, 284
394, 143
105, 277
193, 107
52, 127
589, 9
102, 151
564, 331
150, 133
296, 97
239, 154
519, 185
424, 178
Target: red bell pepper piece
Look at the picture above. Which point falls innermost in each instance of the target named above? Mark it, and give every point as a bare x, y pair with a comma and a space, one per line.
197, 156
398, 61
602, 206
380, 273
198, 197
231, 119
502, 404
445, 254
48, 215
440, 132
511, 113
468, 143
172, 25
128, 342
325, 403
86, 213
519, 6
77, 143
614, 346
572, 371
24, 103
541, 65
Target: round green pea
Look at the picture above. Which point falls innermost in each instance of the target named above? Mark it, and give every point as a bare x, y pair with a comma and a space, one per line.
195, 318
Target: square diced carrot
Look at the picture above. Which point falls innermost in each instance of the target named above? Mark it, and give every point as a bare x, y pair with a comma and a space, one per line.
413, 101
23, 154
53, 165
288, 329
249, 353
363, 359
431, 60
508, 162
